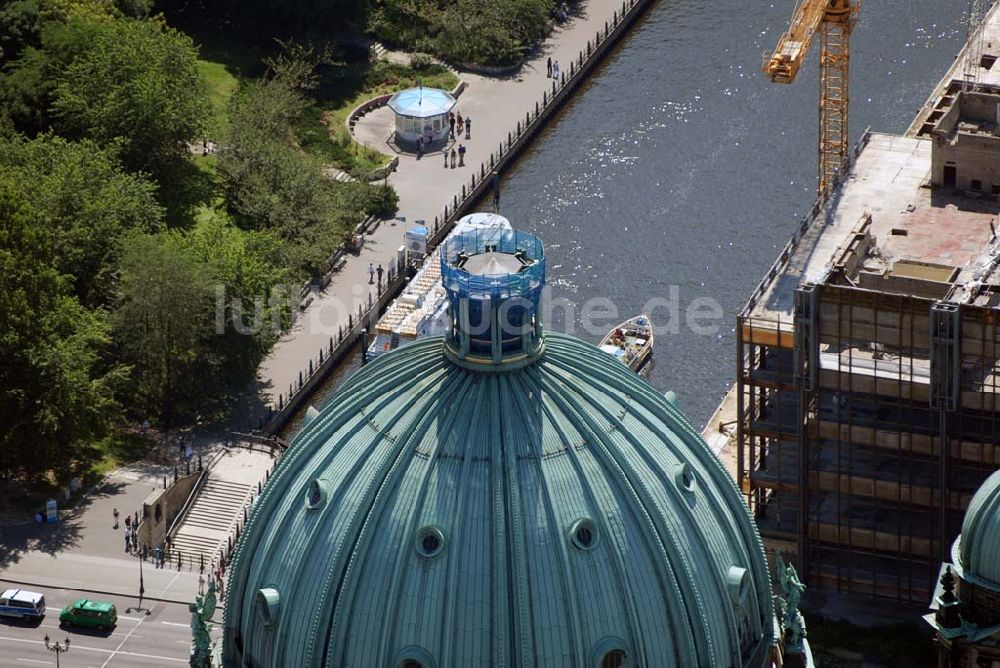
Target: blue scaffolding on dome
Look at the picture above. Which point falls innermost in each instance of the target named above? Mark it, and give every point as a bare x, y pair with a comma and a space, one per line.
494, 279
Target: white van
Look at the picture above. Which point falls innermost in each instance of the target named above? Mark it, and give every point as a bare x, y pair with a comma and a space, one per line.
21, 603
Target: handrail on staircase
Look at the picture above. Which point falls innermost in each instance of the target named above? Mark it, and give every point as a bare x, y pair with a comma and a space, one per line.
202, 477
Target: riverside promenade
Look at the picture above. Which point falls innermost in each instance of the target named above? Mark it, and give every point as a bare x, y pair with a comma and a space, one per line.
425, 187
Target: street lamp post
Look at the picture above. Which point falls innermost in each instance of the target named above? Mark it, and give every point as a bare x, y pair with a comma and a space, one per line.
142, 590
57, 648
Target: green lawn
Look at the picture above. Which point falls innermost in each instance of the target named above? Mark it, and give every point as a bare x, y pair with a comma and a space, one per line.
323, 128
118, 450
221, 86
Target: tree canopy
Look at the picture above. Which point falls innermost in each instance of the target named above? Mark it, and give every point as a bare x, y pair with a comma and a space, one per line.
57, 386
136, 83
85, 202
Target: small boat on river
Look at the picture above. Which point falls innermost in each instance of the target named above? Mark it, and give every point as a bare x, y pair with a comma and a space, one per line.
631, 342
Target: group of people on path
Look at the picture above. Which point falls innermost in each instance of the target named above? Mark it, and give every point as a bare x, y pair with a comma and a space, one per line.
457, 125
455, 120
131, 536
372, 271
459, 154
552, 68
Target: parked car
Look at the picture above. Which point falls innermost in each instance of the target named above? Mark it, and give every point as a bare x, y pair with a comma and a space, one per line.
22, 603
98, 615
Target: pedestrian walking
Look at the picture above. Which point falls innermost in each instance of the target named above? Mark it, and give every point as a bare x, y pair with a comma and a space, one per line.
371, 273
468, 127
158, 556
379, 272
461, 123
451, 124
548, 67
495, 184
555, 70
461, 155
454, 155
420, 146
115, 511
128, 522
445, 151
128, 540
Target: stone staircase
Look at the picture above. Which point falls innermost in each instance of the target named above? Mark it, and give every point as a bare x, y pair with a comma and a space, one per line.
335, 174
210, 519
377, 50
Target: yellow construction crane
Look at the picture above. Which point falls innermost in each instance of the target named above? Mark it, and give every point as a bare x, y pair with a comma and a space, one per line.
834, 19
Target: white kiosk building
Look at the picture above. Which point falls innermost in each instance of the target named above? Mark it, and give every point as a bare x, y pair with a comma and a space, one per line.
421, 111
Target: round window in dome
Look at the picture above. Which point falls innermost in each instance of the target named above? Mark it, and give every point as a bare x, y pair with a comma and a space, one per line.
430, 541
316, 493
583, 534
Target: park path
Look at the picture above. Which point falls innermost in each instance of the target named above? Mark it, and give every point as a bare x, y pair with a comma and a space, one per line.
425, 186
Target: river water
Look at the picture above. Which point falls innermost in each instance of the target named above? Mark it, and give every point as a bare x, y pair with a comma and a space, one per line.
679, 171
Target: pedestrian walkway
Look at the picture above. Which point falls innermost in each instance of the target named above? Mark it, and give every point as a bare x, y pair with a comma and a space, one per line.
425, 186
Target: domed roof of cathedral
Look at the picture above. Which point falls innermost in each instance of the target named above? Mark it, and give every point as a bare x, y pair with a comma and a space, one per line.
551, 511
979, 545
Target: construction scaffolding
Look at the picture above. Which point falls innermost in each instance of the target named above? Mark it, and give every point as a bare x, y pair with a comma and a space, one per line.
843, 413
867, 391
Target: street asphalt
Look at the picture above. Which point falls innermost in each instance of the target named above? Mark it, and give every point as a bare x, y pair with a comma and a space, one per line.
161, 638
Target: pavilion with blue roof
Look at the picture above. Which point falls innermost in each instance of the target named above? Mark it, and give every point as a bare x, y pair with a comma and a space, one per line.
421, 111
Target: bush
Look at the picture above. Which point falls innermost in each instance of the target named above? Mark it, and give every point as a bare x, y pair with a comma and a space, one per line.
382, 201
421, 62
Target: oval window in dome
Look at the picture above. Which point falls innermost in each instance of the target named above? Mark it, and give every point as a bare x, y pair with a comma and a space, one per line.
430, 541
614, 659
268, 601
684, 477
583, 534
316, 493
610, 653
414, 657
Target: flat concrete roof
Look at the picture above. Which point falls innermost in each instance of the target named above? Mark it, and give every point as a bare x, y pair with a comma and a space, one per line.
910, 222
988, 76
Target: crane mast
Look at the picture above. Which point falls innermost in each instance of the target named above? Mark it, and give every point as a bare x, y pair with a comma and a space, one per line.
834, 20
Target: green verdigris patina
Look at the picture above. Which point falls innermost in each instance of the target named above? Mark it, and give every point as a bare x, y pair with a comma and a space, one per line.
478, 500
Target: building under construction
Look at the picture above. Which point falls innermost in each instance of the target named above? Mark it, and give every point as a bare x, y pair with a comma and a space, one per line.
868, 393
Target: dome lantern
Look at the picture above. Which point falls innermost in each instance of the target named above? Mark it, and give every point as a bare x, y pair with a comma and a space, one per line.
494, 279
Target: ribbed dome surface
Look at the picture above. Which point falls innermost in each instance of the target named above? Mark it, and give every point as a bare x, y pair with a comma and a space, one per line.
537, 517
980, 542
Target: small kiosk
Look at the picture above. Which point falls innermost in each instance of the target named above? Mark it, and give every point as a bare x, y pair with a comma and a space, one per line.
421, 111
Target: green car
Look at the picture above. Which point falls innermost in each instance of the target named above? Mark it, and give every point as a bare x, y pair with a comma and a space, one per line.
98, 615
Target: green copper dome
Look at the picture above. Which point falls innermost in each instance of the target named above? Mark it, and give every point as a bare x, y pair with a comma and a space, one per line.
979, 544
498, 497
545, 516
